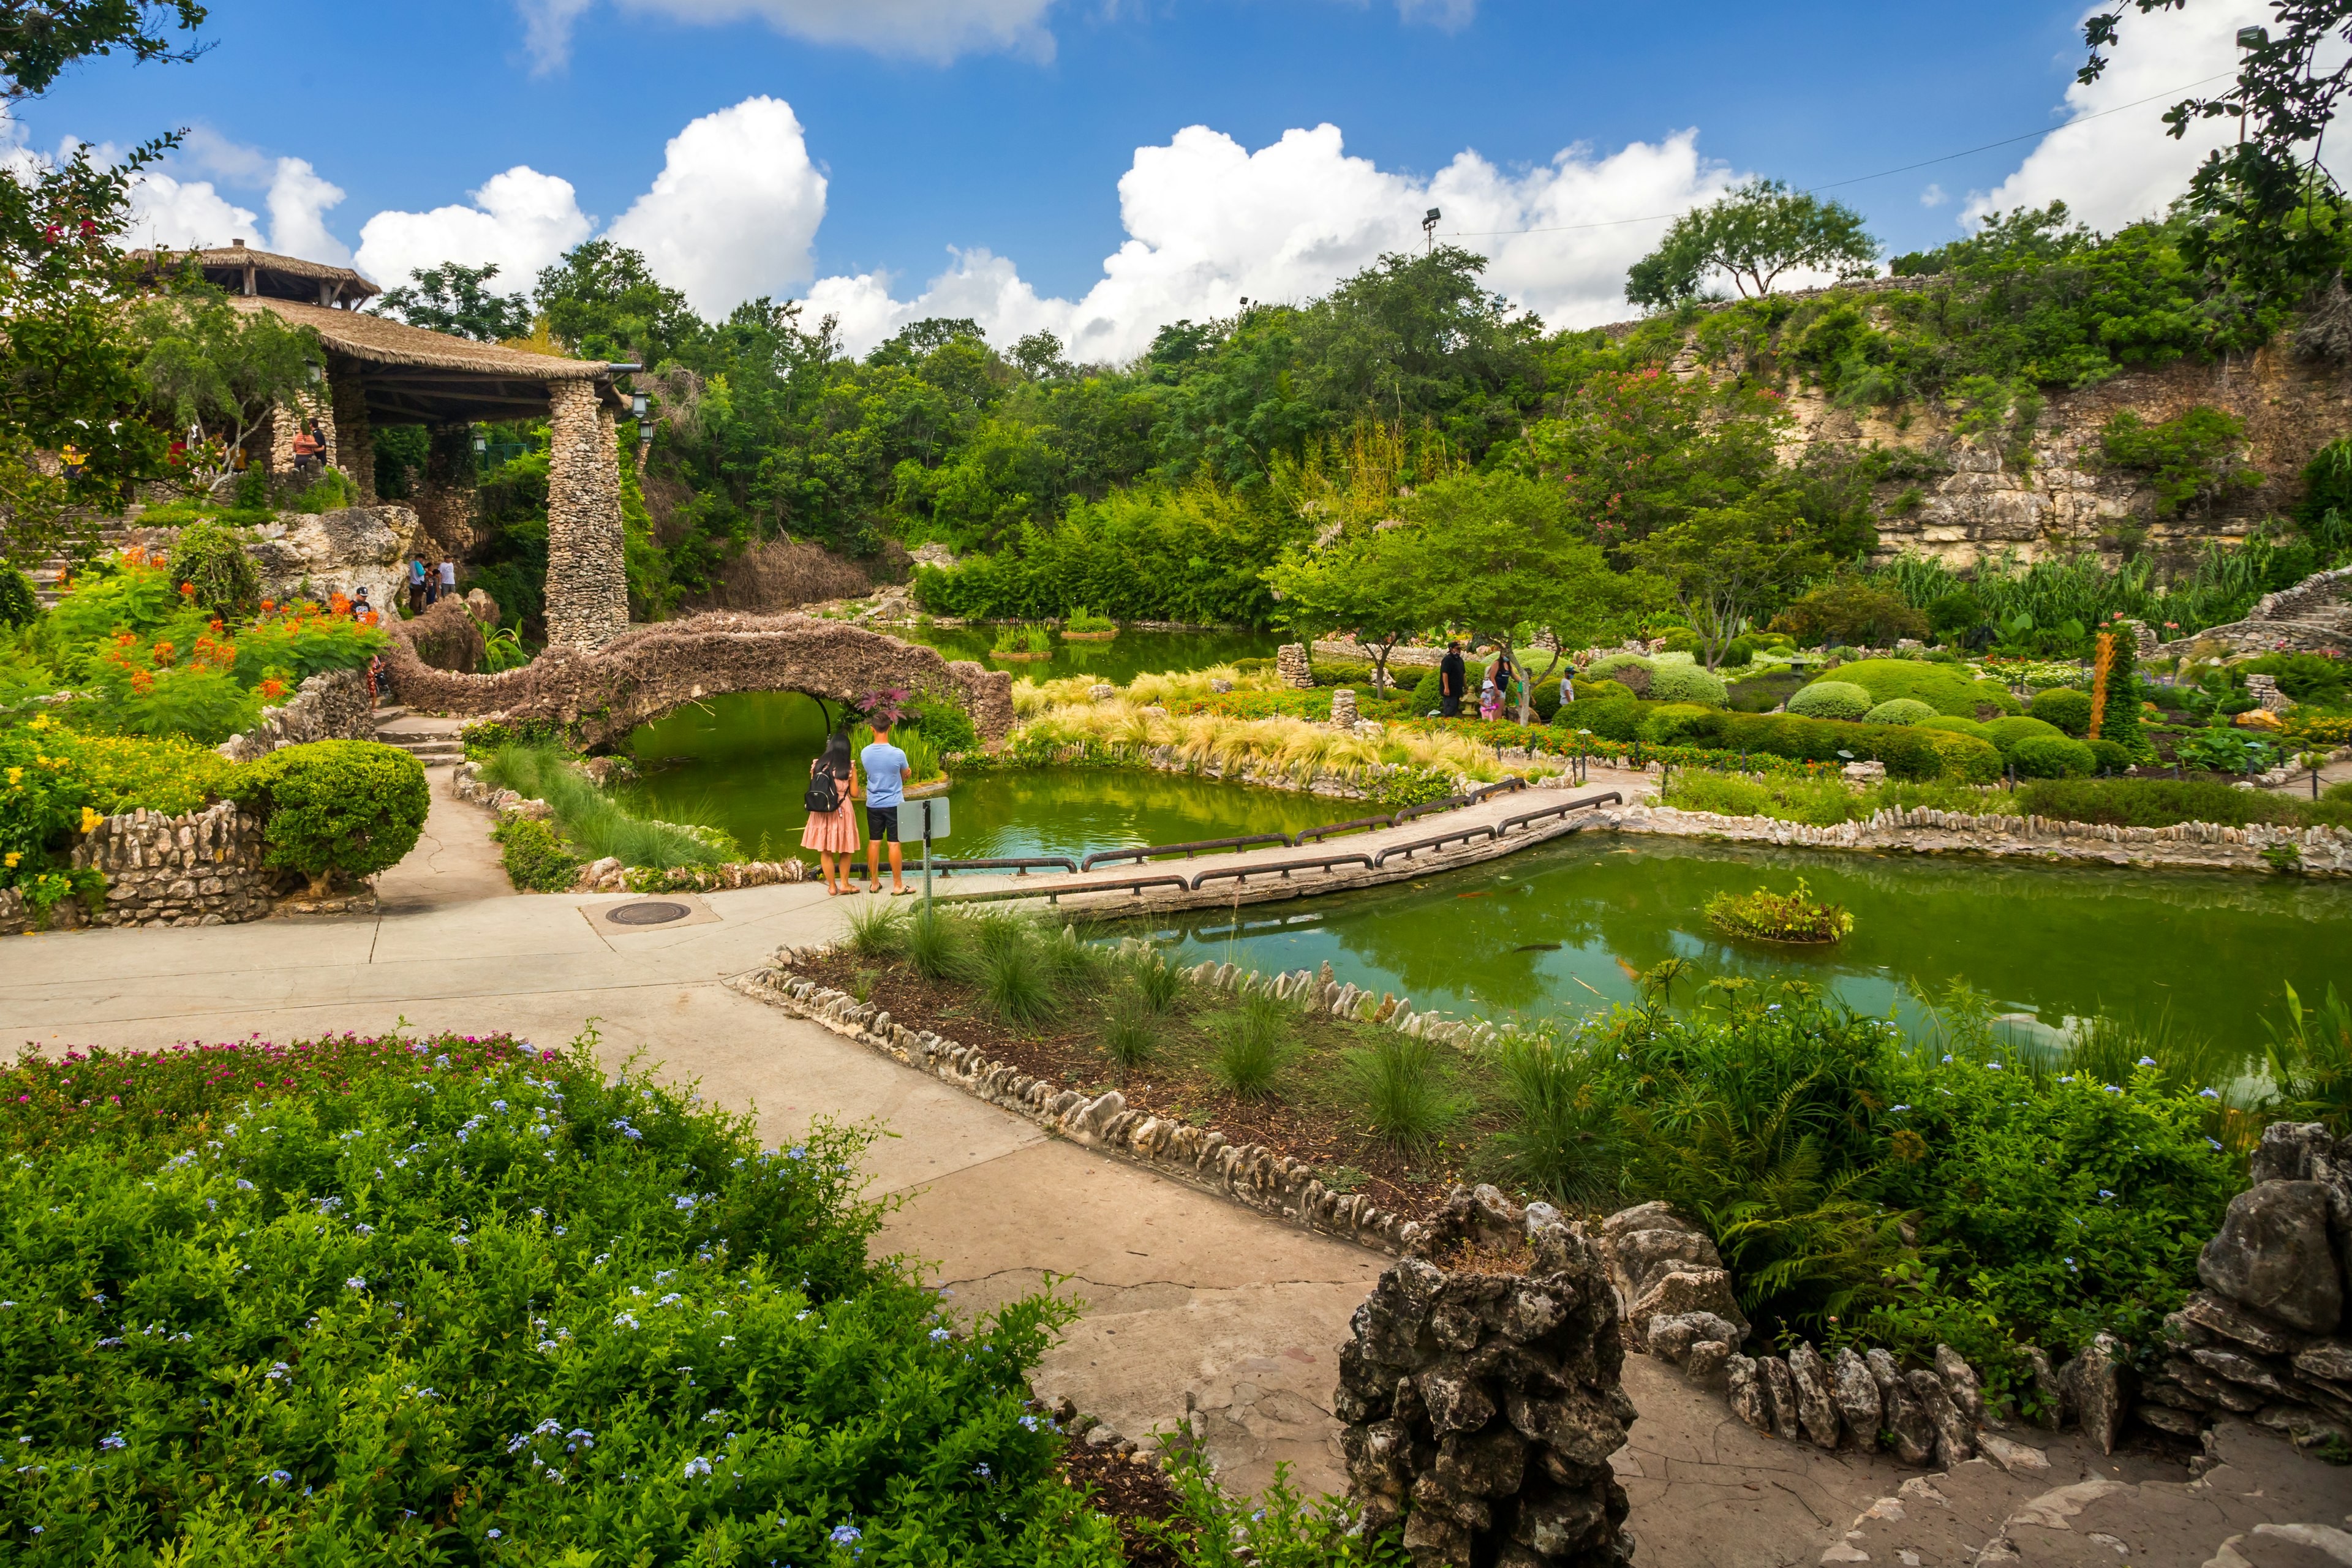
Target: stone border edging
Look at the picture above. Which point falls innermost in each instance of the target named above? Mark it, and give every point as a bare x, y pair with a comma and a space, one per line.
608, 875
334, 706
1923, 830
1251, 1174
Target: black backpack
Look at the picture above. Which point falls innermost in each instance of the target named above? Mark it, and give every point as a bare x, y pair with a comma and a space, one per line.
823, 796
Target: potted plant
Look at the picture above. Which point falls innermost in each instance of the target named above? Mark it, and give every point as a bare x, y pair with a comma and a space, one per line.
1082, 625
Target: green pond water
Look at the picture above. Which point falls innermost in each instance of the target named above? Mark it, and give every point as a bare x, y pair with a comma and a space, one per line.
1562, 929
1119, 661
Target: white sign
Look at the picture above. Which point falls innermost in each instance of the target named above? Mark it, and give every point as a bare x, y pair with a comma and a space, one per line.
925, 818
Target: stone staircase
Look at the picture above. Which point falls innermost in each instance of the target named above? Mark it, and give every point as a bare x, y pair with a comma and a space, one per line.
47, 578
433, 742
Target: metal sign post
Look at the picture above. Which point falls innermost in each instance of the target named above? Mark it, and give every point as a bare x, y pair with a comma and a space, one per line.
933, 812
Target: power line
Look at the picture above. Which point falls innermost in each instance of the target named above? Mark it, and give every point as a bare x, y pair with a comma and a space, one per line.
1858, 179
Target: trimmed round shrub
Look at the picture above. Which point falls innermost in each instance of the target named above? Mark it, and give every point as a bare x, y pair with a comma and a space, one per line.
1687, 683
1610, 718
1544, 701
1909, 753
2112, 758
1425, 697
1992, 694
2052, 757
1683, 724
1954, 724
1901, 711
1630, 670
1831, 699
1737, 654
335, 807
2064, 707
1586, 690
2007, 732
211, 557
1968, 759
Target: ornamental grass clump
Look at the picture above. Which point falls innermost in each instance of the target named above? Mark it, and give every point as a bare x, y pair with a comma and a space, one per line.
1253, 1044
432, 1299
1407, 1093
1767, 916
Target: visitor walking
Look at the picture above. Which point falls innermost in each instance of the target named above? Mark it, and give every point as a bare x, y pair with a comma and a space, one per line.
886, 790
419, 595
1450, 678
1490, 699
832, 827
448, 578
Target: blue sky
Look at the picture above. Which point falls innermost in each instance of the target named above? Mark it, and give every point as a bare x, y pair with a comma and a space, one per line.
1003, 128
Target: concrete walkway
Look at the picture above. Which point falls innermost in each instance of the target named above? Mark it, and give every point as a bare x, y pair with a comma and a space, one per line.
1190, 1303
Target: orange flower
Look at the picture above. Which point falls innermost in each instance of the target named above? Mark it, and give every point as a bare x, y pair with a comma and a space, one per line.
162, 655
136, 555
142, 682
269, 604
187, 590
215, 625
273, 686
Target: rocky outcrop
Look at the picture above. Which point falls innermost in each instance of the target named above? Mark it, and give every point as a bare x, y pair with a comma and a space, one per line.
1482, 1405
303, 556
604, 692
1665, 1273
2268, 1336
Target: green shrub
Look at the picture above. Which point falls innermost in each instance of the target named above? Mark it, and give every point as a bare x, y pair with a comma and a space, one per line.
1424, 697
19, 605
1827, 699
1544, 701
2006, 732
1682, 725
2156, 803
1405, 1089
336, 808
1737, 654
1945, 688
1253, 1044
1909, 753
1085, 620
536, 860
1596, 692
1562, 1137
1762, 693
1964, 758
213, 557
2110, 757
1767, 916
1610, 718
1954, 723
433, 1299
1687, 683
2070, 711
2052, 757
1899, 711
1630, 670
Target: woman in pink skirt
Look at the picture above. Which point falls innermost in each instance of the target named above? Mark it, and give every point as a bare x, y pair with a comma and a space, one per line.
834, 832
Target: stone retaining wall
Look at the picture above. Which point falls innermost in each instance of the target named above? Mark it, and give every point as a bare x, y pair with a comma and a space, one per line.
336, 706
2188, 845
200, 869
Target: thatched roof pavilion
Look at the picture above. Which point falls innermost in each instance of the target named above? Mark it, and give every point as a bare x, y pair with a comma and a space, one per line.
383, 372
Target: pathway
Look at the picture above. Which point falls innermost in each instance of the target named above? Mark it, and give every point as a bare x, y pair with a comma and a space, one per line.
1190, 1302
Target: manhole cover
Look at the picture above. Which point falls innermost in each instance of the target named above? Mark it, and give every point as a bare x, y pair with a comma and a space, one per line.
648, 914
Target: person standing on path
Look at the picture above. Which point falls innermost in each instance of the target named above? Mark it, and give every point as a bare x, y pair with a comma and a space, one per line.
448, 577
418, 591
1451, 681
886, 789
834, 832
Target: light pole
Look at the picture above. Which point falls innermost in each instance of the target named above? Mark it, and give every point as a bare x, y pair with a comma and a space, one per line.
1429, 231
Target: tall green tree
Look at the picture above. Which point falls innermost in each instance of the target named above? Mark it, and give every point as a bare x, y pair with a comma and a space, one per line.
216, 375
1374, 582
1731, 565
1754, 233
456, 299
602, 301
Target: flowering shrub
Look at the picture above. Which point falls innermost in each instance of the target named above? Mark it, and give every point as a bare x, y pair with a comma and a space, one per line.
449, 1299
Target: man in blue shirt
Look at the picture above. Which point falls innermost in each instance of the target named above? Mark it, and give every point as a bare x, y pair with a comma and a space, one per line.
886, 788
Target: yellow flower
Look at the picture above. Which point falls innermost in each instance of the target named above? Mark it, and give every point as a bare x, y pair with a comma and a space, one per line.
15, 776
90, 821
11, 859
40, 721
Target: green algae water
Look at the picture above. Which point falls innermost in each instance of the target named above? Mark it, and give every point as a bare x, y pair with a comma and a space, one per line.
740, 763
1560, 930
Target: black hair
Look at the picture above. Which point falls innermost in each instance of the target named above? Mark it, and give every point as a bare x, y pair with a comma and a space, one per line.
836, 754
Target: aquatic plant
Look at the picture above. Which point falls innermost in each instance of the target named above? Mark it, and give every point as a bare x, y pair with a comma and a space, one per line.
1767, 916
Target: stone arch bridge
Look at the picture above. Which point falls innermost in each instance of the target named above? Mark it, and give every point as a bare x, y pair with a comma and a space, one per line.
604, 692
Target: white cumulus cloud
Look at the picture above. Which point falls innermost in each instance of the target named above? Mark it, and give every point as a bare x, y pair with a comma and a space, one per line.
517, 221
735, 209
1211, 223
2122, 166
298, 200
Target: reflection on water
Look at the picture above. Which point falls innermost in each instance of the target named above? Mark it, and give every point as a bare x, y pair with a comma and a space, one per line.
1119, 661
1564, 930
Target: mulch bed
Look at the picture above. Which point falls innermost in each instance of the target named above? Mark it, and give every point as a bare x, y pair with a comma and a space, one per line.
1125, 1492
1313, 1118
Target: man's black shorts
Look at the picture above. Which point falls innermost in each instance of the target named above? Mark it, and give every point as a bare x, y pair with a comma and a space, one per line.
882, 823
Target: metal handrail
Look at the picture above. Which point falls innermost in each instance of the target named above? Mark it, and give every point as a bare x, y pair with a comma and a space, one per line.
1465, 834
1053, 895
1187, 850
1502, 787
1018, 865
1370, 823
1287, 868
1612, 797
1450, 802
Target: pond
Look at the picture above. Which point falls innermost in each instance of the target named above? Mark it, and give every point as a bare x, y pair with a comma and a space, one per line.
1564, 930
740, 763
1119, 661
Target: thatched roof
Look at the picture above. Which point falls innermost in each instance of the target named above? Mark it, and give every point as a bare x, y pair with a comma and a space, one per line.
414, 376
282, 277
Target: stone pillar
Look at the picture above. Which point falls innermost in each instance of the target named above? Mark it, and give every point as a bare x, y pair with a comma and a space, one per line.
354, 447
587, 579
444, 502
1290, 666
